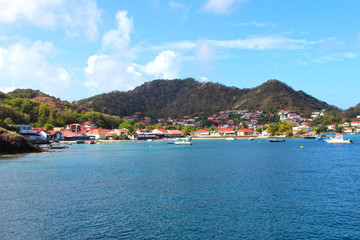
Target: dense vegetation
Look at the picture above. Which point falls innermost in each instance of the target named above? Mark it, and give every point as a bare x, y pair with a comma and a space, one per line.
19, 107
176, 98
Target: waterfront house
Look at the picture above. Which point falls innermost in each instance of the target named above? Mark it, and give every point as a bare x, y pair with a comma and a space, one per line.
347, 130
51, 135
99, 133
226, 131
175, 133
161, 132
31, 135
143, 134
355, 124
120, 132
245, 132
345, 124
79, 137
265, 133
201, 133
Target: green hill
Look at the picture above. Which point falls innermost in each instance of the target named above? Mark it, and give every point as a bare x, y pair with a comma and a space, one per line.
175, 98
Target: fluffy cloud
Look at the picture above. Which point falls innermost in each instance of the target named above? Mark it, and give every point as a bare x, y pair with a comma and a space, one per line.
166, 65
26, 65
119, 38
107, 73
76, 17
220, 6
118, 71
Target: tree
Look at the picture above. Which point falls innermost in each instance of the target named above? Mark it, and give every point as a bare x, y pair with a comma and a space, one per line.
128, 124
338, 128
48, 126
244, 126
8, 120
284, 127
273, 128
187, 130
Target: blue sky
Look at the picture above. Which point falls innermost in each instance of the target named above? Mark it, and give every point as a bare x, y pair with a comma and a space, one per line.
76, 49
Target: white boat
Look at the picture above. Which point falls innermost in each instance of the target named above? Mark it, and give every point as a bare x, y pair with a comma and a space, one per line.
182, 143
251, 138
338, 139
230, 138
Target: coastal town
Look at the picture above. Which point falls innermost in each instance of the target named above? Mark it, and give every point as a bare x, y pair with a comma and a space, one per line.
227, 123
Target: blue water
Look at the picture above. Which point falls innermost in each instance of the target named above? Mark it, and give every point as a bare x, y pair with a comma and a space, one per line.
213, 189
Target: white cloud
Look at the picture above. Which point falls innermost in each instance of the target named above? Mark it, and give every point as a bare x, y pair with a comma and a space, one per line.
107, 73
265, 43
118, 71
119, 38
26, 65
220, 6
251, 43
335, 57
76, 17
166, 65
202, 79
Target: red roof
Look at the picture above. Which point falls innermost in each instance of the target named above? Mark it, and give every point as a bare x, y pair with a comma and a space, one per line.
202, 130
38, 129
88, 123
245, 130
51, 132
226, 130
175, 132
161, 130
99, 131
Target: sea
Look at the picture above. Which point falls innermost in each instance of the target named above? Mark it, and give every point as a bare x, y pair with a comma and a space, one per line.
213, 189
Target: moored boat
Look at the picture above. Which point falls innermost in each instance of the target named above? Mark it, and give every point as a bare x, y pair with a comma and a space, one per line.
230, 138
309, 137
251, 138
183, 143
338, 139
277, 140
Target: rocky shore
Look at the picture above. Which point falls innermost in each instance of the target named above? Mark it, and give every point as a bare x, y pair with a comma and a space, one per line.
12, 143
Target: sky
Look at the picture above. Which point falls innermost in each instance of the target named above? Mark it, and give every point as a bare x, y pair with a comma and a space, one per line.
74, 49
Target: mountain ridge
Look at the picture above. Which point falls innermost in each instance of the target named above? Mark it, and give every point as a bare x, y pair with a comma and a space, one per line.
177, 97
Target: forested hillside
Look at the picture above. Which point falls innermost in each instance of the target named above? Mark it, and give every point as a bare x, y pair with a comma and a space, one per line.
175, 98
27, 106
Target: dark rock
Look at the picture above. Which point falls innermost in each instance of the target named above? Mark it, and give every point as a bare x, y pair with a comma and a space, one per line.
12, 142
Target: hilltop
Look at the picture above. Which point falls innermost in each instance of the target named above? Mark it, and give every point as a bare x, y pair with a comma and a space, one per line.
42, 98
175, 98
